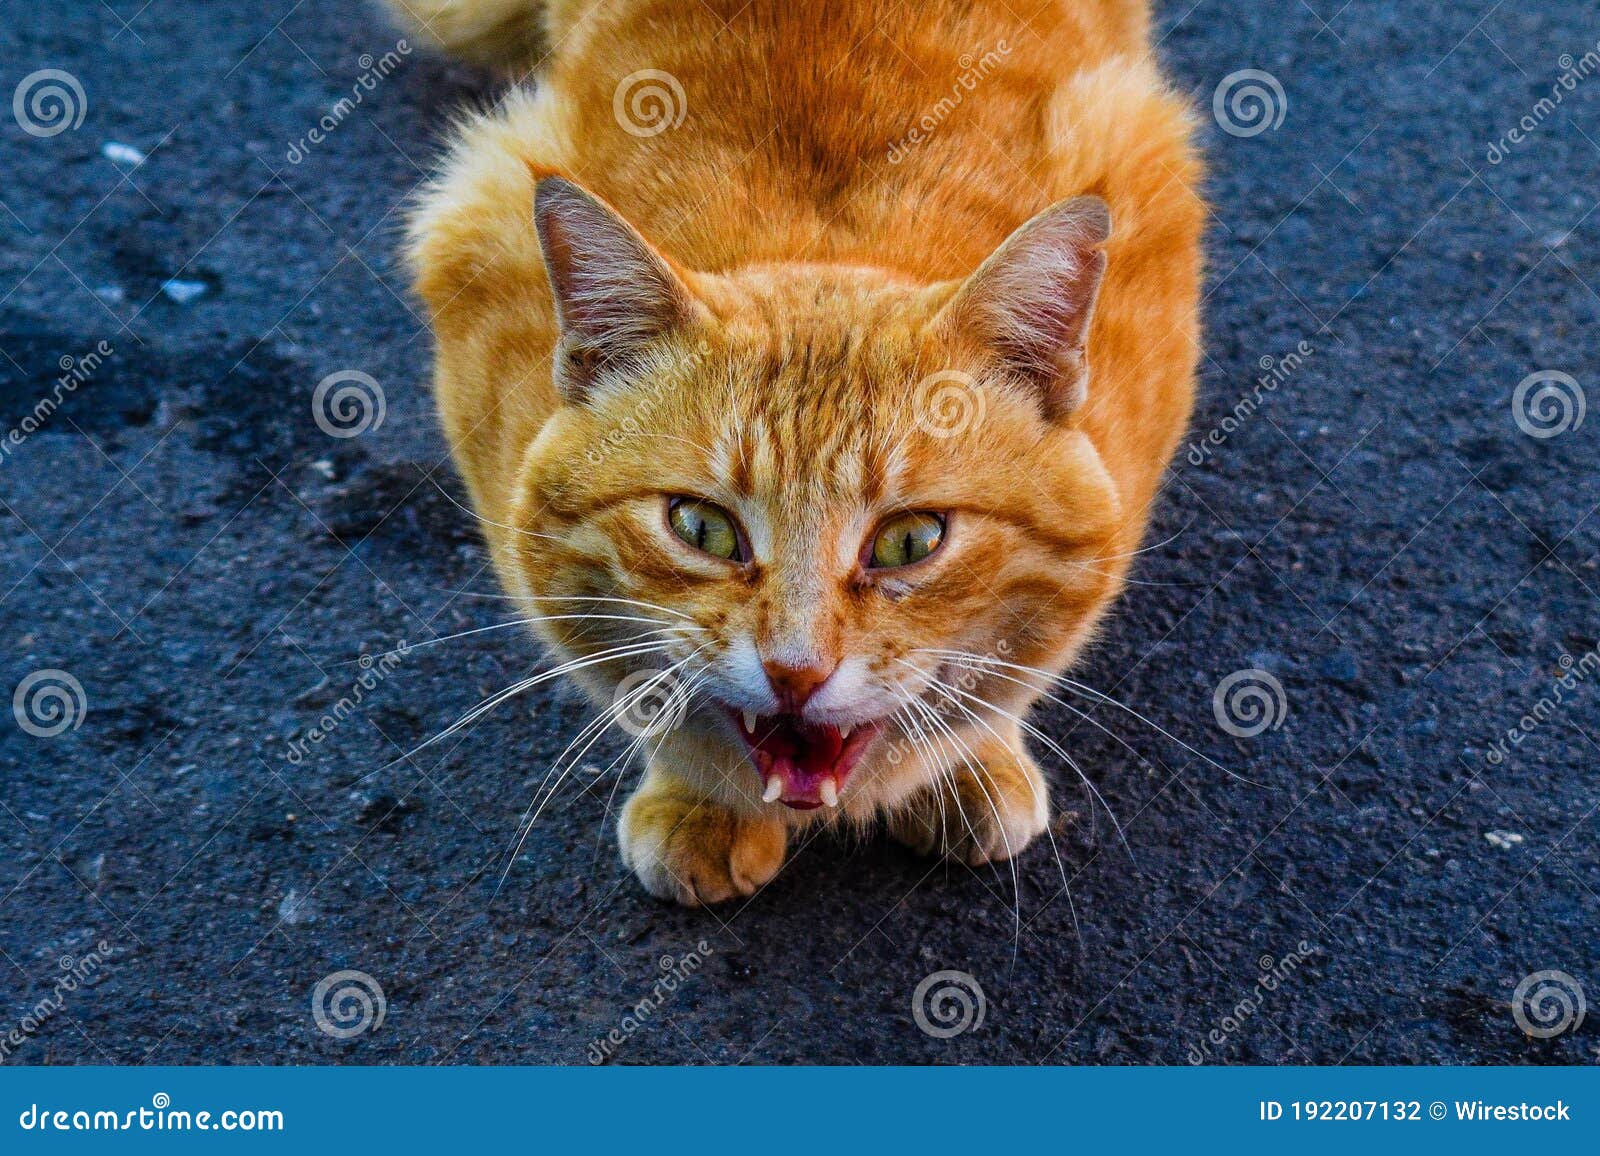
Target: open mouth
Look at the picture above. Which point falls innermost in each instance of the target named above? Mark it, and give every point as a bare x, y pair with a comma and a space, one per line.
802, 766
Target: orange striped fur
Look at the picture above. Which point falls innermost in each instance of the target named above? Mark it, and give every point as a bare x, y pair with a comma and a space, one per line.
770, 269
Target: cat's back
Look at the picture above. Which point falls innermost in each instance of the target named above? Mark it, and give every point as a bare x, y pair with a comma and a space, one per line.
837, 131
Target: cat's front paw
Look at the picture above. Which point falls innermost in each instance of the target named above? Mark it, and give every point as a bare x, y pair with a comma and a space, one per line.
976, 819
695, 851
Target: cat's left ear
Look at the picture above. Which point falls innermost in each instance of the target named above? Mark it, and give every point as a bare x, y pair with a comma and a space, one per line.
1030, 303
614, 293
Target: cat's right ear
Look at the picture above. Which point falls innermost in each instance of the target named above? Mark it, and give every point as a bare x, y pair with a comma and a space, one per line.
614, 293
1031, 302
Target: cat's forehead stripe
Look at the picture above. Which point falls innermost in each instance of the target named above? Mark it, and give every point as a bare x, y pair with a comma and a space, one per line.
731, 461
849, 461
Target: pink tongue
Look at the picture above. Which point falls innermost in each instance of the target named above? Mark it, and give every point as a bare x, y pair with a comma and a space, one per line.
803, 760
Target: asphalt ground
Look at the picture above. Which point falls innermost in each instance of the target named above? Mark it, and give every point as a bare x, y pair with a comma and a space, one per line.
1380, 534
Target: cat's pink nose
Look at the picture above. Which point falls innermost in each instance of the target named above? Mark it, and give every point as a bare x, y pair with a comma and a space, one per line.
795, 684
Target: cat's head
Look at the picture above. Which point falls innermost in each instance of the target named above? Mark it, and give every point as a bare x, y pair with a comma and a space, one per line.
813, 488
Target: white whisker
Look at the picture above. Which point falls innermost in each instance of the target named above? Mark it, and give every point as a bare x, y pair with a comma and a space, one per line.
944, 736
569, 598
1146, 549
516, 688
665, 628
1084, 690
562, 766
1055, 748
974, 765
607, 719
489, 521
919, 739
606, 598
984, 723
672, 708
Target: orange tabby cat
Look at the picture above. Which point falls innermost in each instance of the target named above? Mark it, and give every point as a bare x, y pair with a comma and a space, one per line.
813, 368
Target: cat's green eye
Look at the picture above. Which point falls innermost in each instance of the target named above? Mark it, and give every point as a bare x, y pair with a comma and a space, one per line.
705, 527
905, 539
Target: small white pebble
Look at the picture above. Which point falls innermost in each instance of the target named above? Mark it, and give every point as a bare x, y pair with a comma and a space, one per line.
183, 292
122, 154
295, 909
1505, 840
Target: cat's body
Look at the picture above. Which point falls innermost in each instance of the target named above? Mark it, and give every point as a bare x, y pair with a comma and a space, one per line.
792, 373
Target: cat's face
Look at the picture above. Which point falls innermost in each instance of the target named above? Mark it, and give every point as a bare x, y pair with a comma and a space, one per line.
807, 489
